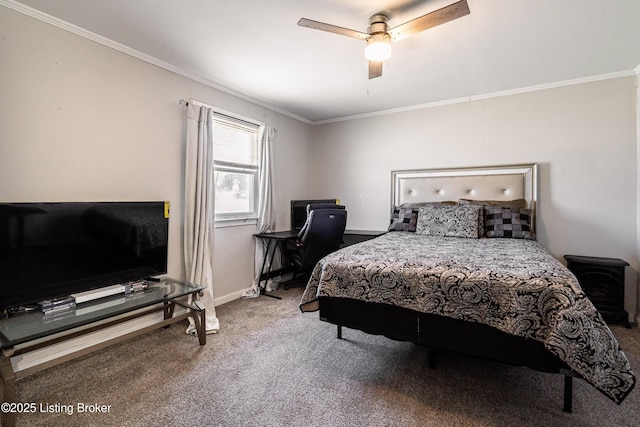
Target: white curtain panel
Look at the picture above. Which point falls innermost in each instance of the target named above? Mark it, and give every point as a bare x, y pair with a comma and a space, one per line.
199, 215
266, 221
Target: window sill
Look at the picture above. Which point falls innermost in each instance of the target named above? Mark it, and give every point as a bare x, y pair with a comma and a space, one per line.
235, 222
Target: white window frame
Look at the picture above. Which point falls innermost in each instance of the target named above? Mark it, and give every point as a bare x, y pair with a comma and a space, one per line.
238, 218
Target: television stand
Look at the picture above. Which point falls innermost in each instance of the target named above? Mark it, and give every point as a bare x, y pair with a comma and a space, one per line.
29, 331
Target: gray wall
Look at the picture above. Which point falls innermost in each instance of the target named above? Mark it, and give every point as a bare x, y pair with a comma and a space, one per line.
582, 136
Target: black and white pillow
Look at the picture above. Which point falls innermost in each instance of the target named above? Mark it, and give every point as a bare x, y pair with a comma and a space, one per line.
403, 219
449, 220
512, 223
405, 216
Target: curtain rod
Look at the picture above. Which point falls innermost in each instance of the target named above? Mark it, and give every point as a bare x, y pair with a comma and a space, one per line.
185, 103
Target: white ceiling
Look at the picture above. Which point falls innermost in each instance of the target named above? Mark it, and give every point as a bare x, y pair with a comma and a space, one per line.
254, 47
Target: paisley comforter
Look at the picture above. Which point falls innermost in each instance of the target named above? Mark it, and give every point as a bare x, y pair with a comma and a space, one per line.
513, 285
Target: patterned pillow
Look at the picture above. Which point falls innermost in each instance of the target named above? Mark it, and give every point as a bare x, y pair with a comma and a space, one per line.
449, 220
517, 203
513, 223
405, 216
403, 219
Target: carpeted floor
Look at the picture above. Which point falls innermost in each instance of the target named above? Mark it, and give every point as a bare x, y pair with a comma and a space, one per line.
271, 365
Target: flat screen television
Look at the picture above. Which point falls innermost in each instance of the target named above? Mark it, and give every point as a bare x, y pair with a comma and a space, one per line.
299, 210
52, 250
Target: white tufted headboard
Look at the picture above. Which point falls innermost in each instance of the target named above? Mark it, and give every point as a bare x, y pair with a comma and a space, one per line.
479, 183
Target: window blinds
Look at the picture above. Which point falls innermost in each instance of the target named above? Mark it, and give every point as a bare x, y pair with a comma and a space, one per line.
234, 141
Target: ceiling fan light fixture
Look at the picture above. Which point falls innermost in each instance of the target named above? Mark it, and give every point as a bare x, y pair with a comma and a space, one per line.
378, 47
379, 35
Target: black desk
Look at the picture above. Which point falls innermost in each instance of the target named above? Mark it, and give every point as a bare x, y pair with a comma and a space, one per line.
279, 237
272, 241
356, 236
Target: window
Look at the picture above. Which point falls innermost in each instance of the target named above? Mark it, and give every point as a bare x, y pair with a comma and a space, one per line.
235, 160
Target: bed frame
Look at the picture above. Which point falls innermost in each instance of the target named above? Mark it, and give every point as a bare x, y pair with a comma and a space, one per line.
438, 332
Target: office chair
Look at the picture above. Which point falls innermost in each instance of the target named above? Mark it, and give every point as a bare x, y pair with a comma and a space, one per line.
316, 206
321, 235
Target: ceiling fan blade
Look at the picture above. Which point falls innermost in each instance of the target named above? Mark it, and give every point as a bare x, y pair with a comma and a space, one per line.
375, 69
332, 29
430, 20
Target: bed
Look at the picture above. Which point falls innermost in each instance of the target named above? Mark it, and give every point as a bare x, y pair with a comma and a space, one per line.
460, 270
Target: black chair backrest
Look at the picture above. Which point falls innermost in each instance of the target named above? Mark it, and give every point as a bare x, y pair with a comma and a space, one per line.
323, 234
316, 206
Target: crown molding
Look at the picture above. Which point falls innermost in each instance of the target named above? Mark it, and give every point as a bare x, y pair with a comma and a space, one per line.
56, 22
485, 96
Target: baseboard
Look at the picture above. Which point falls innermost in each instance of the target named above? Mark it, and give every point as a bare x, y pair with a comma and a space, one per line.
228, 298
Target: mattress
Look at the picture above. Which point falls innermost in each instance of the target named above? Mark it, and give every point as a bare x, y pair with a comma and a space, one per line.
513, 285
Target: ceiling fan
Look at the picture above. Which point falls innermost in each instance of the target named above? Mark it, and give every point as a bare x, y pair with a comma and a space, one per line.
379, 36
